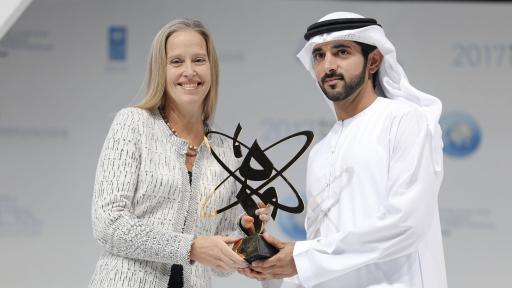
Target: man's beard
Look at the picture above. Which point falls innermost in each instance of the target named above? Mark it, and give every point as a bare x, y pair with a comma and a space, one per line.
351, 86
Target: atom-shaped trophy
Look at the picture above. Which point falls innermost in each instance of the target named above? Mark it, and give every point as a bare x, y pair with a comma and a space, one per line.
254, 247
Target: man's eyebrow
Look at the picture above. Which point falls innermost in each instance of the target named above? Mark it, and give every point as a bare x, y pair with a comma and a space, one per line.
338, 46
316, 50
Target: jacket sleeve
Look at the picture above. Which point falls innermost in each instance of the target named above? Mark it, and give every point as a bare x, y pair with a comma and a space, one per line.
115, 226
228, 225
230, 219
409, 209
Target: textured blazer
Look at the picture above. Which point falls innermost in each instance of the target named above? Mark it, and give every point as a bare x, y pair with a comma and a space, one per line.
145, 212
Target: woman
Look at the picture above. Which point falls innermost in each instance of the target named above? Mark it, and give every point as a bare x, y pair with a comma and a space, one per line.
155, 168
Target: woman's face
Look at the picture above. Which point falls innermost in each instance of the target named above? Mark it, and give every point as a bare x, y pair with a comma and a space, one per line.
188, 76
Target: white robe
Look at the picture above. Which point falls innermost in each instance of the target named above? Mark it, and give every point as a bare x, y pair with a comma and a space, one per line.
372, 204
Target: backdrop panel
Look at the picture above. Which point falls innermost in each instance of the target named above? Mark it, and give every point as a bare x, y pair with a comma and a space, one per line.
66, 67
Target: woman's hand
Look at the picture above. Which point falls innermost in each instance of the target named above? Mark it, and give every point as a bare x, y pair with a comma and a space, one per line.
215, 252
264, 215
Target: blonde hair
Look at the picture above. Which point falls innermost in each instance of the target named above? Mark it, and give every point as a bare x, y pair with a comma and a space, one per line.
154, 94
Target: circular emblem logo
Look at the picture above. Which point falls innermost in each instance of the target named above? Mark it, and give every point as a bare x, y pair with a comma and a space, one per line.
461, 134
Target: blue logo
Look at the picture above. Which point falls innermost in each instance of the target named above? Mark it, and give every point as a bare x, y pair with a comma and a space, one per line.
461, 134
292, 224
117, 36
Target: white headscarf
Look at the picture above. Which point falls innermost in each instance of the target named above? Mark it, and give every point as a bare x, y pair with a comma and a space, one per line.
392, 81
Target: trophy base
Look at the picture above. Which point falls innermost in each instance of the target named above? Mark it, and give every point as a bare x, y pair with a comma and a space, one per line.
254, 248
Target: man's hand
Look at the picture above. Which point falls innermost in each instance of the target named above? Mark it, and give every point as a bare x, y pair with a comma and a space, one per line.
280, 265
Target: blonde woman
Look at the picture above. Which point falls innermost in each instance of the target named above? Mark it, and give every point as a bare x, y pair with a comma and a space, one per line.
155, 168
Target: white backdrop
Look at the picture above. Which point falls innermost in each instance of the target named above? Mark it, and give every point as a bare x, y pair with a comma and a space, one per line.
66, 67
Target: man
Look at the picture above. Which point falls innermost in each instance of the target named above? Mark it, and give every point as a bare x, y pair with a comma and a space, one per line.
373, 181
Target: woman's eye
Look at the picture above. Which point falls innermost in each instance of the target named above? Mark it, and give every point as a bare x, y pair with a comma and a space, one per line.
175, 61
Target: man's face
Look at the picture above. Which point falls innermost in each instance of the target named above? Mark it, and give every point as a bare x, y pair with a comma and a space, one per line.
339, 68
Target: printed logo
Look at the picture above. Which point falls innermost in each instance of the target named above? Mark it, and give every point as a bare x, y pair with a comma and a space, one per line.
117, 37
461, 134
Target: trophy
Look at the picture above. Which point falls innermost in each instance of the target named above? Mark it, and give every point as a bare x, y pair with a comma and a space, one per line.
254, 247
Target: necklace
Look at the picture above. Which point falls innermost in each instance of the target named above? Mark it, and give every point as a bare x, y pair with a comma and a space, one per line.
192, 150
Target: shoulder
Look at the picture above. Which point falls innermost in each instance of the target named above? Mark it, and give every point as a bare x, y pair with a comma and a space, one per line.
408, 125
134, 113
134, 117
399, 111
130, 122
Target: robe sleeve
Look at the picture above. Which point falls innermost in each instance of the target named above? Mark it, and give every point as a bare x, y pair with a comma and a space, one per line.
115, 226
405, 217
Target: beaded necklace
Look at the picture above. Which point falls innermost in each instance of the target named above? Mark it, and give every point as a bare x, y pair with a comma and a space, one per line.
192, 150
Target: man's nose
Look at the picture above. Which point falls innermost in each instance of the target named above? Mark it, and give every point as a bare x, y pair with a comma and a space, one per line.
330, 64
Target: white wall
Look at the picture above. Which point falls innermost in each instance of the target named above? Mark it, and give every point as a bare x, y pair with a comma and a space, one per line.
59, 91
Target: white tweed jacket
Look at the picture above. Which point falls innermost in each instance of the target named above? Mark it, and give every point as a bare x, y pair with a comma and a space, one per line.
145, 212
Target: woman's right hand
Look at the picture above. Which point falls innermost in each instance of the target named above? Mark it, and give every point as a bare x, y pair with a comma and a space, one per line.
215, 252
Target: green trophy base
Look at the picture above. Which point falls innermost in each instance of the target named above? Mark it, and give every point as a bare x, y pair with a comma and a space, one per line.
254, 248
